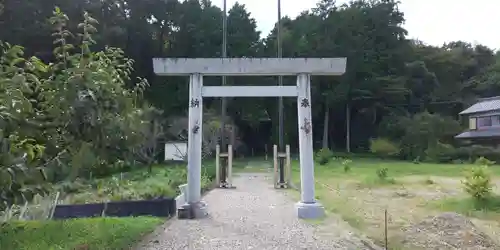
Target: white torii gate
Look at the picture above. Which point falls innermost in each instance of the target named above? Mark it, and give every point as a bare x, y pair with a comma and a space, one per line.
196, 68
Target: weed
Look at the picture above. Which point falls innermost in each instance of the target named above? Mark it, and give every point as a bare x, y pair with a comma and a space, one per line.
382, 173
347, 165
382, 178
429, 181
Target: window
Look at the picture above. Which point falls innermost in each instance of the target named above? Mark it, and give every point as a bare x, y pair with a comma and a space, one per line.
495, 120
484, 122
473, 123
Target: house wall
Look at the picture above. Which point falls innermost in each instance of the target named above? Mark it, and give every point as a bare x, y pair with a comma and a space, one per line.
484, 120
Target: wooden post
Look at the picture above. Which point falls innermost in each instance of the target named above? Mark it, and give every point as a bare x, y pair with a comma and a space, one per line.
275, 164
230, 166
217, 164
288, 167
228, 182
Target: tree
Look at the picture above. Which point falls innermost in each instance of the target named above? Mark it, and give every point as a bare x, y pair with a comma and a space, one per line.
387, 74
148, 131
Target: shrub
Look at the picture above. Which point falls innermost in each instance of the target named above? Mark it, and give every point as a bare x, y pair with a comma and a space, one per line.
483, 161
478, 184
323, 156
384, 147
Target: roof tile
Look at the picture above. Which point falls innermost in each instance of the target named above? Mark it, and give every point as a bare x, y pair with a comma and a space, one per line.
484, 105
479, 134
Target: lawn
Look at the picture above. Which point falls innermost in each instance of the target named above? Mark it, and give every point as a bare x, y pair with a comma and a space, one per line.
410, 192
101, 233
81, 234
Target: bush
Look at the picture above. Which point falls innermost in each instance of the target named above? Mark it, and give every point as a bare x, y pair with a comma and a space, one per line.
483, 161
441, 153
384, 147
416, 133
323, 156
474, 152
478, 184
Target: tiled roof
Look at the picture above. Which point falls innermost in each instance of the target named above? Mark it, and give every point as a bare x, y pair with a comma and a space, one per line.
486, 133
483, 105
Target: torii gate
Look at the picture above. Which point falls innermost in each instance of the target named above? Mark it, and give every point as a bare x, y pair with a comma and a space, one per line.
196, 68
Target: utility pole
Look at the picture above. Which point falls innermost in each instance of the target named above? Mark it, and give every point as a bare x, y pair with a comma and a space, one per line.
281, 145
223, 99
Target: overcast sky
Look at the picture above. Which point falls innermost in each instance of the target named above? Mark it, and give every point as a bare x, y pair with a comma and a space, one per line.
432, 21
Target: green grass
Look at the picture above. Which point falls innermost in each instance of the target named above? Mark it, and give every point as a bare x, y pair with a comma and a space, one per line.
488, 209
91, 234
375, 181
362, 168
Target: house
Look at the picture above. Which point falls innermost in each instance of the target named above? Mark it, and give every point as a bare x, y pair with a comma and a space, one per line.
484, 121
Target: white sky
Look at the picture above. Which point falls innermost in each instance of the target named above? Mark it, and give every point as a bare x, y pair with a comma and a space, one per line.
432, 21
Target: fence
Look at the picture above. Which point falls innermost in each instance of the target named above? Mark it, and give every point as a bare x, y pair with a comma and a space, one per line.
46, 208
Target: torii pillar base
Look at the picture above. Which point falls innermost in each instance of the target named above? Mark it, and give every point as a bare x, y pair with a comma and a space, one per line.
310, 210
192, 211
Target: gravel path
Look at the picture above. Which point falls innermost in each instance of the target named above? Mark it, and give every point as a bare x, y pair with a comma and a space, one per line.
252, 216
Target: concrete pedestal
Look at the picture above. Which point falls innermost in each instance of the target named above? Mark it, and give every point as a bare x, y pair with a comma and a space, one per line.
310, 210
193, 211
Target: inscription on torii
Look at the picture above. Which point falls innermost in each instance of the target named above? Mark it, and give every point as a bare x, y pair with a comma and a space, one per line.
195, 103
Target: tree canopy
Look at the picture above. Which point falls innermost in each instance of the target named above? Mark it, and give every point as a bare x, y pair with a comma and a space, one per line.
76, 80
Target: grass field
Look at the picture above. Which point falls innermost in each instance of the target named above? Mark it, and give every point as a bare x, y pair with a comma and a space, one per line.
80, 234
410, 192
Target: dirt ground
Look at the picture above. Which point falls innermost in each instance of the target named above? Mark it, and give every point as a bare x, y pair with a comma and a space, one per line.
408, 202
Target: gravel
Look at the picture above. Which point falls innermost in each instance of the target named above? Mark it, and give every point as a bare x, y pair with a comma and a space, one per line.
252, 216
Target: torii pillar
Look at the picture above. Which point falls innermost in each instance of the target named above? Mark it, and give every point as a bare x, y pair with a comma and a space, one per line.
303, 68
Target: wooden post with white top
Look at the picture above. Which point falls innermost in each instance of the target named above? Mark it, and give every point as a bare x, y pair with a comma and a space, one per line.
287, 170
228, 182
